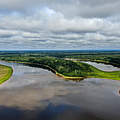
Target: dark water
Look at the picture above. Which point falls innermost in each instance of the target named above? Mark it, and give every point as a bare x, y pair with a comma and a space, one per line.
37, 94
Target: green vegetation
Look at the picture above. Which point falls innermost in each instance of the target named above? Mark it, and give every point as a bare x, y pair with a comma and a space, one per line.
57, 63
107, 57
69, 69
5, 73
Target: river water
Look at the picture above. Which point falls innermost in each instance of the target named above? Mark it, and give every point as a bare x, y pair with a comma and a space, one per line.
37, 94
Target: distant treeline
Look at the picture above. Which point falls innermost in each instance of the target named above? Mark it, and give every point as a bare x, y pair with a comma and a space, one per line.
108, 57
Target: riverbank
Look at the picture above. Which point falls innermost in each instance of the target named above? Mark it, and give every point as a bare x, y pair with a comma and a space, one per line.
48, 68
52, 70
5, 73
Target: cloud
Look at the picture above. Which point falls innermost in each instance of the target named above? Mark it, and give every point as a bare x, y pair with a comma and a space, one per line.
59, 24
70, 8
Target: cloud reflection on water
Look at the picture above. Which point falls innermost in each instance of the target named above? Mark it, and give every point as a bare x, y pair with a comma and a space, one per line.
37, 94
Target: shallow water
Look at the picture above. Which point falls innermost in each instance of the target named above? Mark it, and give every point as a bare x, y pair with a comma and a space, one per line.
37, 94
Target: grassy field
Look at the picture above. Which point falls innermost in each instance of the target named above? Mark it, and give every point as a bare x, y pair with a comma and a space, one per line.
93, 72
5, 73
89, 71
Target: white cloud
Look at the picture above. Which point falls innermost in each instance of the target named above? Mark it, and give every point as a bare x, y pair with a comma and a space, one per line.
54, 25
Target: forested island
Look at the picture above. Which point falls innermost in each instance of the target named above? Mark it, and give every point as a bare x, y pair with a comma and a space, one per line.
68, 64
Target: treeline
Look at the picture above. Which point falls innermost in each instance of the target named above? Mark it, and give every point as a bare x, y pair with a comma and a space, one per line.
112, 57
64, 67
114, 61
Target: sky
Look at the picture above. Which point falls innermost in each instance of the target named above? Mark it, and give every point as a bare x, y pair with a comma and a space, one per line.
59, 24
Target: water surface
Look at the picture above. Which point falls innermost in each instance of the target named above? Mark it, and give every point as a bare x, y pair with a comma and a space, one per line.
102, 66
37, 94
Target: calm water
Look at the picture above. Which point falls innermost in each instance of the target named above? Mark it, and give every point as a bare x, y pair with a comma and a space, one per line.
37, 94
102, 66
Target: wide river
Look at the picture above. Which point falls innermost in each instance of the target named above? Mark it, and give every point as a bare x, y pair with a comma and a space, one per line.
37, 94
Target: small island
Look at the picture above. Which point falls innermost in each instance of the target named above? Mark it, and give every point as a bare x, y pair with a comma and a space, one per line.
5, 73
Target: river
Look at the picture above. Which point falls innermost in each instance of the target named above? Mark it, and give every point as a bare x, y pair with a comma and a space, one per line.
37, 94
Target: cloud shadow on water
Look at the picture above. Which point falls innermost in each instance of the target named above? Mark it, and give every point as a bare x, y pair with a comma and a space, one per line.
51, 112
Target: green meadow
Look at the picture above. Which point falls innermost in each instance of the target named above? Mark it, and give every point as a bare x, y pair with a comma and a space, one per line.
5, 73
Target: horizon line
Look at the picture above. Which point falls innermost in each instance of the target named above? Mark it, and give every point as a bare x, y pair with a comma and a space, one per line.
60, 50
